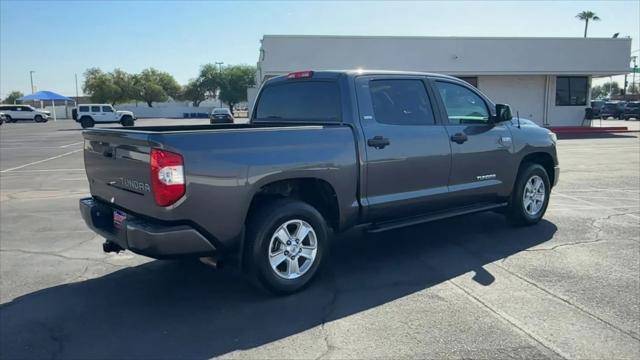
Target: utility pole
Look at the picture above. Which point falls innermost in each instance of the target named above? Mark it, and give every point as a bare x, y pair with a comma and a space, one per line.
219, 63
77, 97
31, 77
635, 69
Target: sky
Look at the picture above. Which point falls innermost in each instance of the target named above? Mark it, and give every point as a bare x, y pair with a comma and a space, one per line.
58, 39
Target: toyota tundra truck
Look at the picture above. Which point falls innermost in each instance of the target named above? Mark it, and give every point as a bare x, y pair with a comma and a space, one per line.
323, 152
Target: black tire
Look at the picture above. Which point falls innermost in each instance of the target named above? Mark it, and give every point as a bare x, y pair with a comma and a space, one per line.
86, 122
37, 118
516, 212
262, 226
127, 121
8, 119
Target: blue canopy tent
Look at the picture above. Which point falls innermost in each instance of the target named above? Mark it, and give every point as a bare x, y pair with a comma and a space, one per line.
46, 96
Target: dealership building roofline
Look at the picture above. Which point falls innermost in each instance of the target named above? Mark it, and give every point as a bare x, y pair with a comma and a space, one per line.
545, 78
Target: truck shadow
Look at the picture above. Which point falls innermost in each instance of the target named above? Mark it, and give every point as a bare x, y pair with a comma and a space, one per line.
166, 309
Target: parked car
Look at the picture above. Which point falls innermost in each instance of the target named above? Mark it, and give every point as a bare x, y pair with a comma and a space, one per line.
323, 152
596, 107
13, 113
90, 114
221, 115
2, 118
631, 110
612, 109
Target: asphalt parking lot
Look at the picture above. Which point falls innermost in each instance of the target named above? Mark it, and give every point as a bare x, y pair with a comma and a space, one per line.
469, 287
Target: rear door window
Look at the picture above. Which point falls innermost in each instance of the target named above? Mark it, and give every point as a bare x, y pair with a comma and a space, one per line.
95, 109
401, 102
300, 101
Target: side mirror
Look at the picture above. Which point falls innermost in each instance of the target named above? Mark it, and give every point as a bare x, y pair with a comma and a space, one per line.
503, 113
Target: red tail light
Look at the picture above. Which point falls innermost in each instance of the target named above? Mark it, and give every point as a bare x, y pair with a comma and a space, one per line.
167, 176
300, 75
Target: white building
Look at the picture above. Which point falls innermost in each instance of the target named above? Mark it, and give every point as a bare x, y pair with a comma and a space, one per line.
547, 80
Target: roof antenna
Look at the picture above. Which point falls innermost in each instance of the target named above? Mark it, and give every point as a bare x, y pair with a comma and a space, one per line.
518, 116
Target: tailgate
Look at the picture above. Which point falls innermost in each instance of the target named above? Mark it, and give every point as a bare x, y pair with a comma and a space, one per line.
118, 169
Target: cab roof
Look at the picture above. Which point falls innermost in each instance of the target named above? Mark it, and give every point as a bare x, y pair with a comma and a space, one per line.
334, 74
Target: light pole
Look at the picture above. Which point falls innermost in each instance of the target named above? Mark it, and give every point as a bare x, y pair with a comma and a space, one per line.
31, 77
76, 75
635, 68
219, 63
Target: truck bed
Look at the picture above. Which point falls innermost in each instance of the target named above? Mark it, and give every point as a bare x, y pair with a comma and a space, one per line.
224, 166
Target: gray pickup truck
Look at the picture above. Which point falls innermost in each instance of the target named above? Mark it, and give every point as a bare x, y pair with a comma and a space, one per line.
323, 152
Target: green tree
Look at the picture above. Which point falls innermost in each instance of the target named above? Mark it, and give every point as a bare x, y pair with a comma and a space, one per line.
100, 86
597, 92
13, 97
152, 85
610, 88
234, 84
586, 16
126, 90
194, 91
210, 78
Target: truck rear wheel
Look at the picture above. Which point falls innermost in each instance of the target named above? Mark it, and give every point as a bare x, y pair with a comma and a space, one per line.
285, 244
86, 122
530, 196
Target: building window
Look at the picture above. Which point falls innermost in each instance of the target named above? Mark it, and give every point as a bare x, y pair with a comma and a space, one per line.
571, 90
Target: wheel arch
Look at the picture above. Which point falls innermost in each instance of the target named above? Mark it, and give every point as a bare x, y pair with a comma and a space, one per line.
542, 158
316, 192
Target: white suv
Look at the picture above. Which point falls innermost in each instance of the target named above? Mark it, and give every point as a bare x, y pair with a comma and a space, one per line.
14, 113
90, 114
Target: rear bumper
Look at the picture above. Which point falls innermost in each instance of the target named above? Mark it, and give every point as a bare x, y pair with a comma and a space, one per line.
221, 120
149, 238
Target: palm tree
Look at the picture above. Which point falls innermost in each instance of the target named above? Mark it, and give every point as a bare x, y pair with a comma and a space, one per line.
586, 16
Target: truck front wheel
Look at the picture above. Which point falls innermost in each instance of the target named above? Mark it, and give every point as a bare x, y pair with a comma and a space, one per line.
530, 196
286, 242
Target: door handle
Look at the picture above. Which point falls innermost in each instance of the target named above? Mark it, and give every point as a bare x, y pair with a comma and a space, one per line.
459, 138
378, 142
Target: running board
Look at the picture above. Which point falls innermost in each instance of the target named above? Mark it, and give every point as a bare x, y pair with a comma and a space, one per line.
394, 224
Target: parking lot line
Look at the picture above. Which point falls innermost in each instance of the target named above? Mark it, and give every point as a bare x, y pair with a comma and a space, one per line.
41, 161
44, 170
595, 204
75, 143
